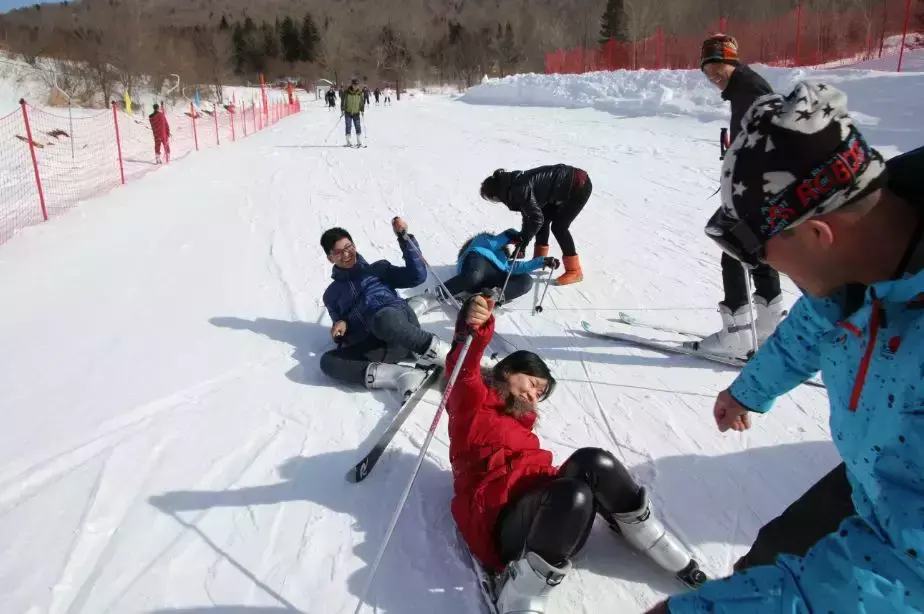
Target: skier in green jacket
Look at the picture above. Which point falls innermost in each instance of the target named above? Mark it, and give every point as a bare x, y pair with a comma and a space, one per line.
353, 104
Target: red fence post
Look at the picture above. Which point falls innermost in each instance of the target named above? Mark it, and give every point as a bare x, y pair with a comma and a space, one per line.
798, 33
885, 15
115, 119
38, 178
244, 117
901, 53
723, 23
192, 113
659, 44
233, 135
253, 114
217, 131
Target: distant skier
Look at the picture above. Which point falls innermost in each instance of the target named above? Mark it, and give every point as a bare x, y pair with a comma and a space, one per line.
331, 98
822, 207
353, 105
366, 94
741, 86
549, 198
375, 326
516, 511
161, 129
378, 94
483, 264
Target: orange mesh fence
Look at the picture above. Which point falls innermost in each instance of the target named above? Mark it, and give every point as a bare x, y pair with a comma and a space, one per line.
800, 37
20, 205
52, 159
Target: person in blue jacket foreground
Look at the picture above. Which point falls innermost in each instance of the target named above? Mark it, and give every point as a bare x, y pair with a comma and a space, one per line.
373, 327
483, 264
803, 192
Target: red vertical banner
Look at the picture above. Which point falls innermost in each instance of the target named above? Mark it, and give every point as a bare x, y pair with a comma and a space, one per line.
192, 114
253, 114
901, 53
231, 116
115, 119
723, 23
798, 34
217, 131
38, 178
244, 117
263, 94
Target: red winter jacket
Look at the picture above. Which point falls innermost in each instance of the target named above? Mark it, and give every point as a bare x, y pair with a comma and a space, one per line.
494, 457
159, 126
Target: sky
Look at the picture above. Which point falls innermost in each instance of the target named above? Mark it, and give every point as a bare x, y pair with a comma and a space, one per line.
9, 5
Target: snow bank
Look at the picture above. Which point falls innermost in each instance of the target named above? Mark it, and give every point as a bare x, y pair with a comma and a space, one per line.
648, 93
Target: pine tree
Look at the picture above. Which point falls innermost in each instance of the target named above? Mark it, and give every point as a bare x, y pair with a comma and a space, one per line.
509, 52
270, 42
223, 25
310, 39
291, 44
239, 50
613, 24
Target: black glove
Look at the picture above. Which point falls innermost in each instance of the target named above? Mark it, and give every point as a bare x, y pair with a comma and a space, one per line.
513, 235
551, 263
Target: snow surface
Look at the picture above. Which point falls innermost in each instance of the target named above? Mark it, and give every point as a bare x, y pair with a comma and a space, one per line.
170, 445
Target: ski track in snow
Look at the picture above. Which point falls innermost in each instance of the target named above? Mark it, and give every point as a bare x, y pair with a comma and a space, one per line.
170, 445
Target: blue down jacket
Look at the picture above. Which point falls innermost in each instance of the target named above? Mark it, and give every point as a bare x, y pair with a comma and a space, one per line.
492, 247
872, 361
357, 294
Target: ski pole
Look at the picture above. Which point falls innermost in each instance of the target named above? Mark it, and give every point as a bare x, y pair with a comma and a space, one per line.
548, 282
336, 123
747, 281
410, 483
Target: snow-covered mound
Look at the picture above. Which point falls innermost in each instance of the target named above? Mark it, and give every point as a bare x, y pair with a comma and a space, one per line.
650, 93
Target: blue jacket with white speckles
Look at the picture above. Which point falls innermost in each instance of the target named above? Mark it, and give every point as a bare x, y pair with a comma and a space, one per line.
872, 361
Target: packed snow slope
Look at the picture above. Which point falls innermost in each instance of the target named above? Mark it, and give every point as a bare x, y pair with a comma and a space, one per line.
169, 444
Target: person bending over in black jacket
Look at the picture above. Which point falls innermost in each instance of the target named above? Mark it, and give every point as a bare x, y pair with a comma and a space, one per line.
741, 86
549, 198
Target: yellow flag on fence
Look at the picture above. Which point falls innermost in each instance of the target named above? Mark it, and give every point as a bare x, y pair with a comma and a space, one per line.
128, 103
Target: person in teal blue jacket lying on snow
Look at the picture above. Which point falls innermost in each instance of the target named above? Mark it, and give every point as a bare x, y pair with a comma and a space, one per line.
484, 263
803, 192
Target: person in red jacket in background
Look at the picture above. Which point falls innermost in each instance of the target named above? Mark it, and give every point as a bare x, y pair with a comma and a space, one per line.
517, 512
161, 130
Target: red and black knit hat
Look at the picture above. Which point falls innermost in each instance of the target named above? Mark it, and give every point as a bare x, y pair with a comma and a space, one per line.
719, 48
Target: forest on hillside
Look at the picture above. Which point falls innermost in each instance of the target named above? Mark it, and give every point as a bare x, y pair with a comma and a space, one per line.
102, 44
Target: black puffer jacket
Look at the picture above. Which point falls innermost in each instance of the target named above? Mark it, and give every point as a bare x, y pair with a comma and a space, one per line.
529, 192
744, 87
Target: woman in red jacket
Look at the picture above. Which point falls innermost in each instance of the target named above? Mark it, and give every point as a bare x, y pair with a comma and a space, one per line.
516, 510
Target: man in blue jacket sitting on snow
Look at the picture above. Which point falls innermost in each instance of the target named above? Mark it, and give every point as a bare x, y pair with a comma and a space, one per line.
373, 326
803, 192
484, 263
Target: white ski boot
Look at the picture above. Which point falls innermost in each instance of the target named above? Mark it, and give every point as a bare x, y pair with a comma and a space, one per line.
735, 337
525, 585
436, 354
427, 302
158, 160
768, 316
385, 376
648, 536
359, 141
349, 140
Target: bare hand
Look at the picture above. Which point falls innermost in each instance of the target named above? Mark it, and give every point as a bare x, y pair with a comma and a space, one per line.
399, 226
479, 311
730, 414
338, 330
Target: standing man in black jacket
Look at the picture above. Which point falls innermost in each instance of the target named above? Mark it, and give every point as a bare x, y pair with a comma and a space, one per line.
741, 86
548, 198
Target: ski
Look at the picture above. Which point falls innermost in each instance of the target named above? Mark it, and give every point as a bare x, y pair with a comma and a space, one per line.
486, 581
362, 469
676, 347
629, 320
